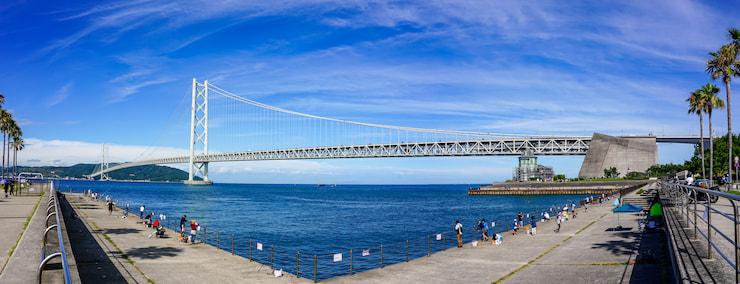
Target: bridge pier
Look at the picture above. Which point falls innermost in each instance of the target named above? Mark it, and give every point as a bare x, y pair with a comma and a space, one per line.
198, 182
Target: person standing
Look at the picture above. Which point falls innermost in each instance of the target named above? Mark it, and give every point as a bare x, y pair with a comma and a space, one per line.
559, 220
484, 231
110, 207
182, 224
141, 211
521, 219
458, 232
516, 226
534, 226
193, 230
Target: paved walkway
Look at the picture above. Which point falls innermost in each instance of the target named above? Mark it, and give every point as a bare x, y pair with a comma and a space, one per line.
14, 214
586, 250
109, 249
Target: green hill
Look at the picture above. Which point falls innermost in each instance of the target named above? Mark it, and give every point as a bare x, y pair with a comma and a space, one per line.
150, 172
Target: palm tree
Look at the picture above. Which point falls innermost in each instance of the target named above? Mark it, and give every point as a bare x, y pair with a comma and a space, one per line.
18, 145
13, 132
697, 105
724, 63
5, 118
709, 93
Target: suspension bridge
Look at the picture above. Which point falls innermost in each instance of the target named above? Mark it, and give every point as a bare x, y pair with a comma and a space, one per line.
246, 130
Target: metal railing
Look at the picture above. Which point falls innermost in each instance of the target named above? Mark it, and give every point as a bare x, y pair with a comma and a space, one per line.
694, 203
53, 204
319, 267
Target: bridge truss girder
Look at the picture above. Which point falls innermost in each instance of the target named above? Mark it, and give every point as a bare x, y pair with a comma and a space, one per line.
492, 147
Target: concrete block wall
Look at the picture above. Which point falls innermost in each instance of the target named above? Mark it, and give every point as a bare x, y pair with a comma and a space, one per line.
633, 153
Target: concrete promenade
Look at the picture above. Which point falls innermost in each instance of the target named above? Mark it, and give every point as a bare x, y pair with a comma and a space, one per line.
109, 249
14, 213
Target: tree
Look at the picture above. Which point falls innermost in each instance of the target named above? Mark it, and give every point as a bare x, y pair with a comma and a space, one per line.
18, 145
697, 102
611, 173
724, 63
709, 93
5, 118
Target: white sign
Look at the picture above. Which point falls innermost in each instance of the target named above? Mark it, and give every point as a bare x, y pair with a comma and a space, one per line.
493, 224
439, 237
259, 246
365, 252
337, 257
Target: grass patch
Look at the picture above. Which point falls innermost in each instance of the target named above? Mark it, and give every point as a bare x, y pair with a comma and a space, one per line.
589, 225
735, 192
640, 191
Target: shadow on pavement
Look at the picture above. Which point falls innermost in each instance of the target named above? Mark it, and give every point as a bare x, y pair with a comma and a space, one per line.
153, 252
619, 247
93, 263
122, 231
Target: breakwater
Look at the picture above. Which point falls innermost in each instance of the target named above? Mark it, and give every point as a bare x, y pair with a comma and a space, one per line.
557, 188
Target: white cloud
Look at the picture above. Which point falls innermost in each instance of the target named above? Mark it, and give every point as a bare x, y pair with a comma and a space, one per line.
60, 95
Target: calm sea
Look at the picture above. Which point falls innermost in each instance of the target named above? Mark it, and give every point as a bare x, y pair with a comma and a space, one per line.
324, 219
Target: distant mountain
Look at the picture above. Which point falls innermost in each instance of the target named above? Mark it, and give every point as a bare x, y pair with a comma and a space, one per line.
150, 172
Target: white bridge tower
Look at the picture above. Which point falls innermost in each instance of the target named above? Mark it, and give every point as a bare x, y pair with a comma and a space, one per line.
199, 133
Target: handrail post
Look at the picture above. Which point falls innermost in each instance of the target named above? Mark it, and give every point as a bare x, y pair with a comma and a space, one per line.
250, 249
709, 226
444, 246
381, 256
407, 250
205, 234
429, 247
217, 238
272, 257
314, 268
232, 244
297, 264
351, 261
696, 234
737, 237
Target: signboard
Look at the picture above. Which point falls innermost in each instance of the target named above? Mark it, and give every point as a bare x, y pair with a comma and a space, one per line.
737, 159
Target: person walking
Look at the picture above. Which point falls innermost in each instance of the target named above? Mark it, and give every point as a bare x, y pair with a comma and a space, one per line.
458, 232
558, 221
534, 226
110, 207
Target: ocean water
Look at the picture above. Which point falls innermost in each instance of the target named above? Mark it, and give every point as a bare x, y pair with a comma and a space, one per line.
323, 219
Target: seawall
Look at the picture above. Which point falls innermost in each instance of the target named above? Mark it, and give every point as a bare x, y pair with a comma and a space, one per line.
553, 188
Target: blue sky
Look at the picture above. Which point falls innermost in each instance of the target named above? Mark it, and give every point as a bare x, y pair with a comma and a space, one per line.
77, 74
